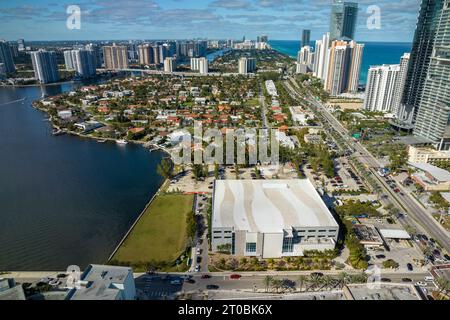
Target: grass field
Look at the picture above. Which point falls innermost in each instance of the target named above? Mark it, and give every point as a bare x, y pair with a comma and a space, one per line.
161, 234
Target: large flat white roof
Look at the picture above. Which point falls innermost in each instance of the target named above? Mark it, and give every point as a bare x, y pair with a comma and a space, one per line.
269, 206
439, 174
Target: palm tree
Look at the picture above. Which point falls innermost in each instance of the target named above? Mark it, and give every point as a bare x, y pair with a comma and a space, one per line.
444, 286
267, 282
343, 279
277, 284
301, 282
314, 280
329, 282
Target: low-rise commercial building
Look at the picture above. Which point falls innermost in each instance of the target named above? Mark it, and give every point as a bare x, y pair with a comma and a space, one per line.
271, 219
431, 178
100, 282
427, 155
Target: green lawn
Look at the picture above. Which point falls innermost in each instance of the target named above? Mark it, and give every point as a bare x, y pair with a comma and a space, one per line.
161, 234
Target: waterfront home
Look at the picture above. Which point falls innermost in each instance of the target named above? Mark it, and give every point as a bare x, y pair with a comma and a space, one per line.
88, 126
65, 114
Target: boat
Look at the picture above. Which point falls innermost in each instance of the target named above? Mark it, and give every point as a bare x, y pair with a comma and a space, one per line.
122, 142
58, 132
101, 141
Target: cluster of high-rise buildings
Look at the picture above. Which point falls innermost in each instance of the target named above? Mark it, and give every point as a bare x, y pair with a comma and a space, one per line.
337, 58
417, 91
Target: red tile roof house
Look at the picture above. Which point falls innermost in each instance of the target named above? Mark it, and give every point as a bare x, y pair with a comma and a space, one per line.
279, 117
103, 109
175, 121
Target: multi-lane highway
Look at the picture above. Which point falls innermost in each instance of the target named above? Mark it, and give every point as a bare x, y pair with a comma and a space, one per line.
404, 199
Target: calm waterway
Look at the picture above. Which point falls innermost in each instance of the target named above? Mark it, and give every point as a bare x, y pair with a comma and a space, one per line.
64, 200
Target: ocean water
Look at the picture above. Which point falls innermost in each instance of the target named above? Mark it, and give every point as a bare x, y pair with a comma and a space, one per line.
64, 200
375, 53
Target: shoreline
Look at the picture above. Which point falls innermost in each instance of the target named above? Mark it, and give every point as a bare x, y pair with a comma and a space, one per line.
37, 84
165, 152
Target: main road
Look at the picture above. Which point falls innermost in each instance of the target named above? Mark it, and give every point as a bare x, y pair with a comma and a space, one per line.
404, 199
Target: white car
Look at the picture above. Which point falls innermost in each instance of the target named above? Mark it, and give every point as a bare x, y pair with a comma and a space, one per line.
199, 251
421, 284
197, 268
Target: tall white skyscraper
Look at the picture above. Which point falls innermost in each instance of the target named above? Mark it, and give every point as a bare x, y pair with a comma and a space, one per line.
306, 56
45, 66
382, 82
82, 61
200, 64
322, 55
247, 65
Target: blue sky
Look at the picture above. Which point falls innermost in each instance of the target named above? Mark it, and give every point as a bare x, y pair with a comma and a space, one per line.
180, 19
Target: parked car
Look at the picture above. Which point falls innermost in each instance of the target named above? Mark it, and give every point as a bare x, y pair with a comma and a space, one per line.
386, 280
406, 280
199, 259
212, 287
191, 281
235, 276
176, 282
206, 276
381, 256
197, 268
410, 267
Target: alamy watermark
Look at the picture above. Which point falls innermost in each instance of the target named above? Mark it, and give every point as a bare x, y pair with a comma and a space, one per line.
73, 21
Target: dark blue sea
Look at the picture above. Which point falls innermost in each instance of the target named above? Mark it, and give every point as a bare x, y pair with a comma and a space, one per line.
64, 200
375, 53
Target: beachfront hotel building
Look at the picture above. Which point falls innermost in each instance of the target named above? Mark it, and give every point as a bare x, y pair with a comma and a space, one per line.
270, 218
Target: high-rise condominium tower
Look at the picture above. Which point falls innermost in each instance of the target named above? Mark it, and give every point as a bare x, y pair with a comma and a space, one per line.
45, 66
6, 57
199, 64
344, 16
145, 53
344, 67
306, 38
322, 55
247, 65
116, 57
82, 61
400, 87
170, 65
380, 89
429, 20
433, 111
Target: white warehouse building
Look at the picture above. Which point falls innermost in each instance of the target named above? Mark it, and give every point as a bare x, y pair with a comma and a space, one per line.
271, 218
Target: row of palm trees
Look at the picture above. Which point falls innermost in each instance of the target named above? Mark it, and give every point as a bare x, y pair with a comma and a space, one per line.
313, 282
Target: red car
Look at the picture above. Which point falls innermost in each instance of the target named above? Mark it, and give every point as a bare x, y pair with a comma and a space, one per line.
235, 276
